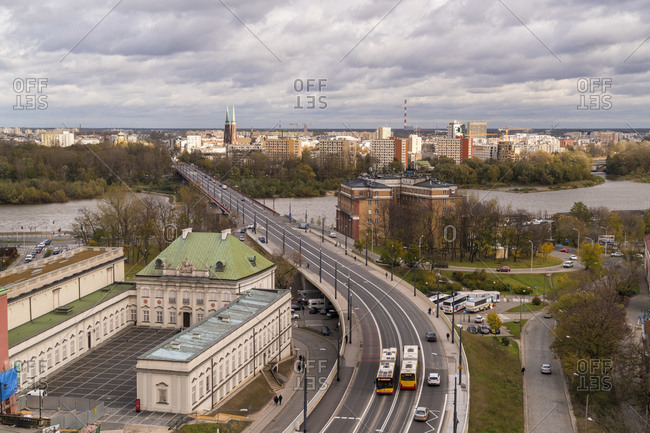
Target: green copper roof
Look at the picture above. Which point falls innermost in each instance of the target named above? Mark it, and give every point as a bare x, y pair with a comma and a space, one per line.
227, 121
228, 259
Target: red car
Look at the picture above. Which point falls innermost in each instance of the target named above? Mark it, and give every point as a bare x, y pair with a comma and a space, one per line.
564, 250
503, 269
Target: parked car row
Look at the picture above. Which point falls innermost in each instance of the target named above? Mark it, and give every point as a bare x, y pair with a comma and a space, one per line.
482, 329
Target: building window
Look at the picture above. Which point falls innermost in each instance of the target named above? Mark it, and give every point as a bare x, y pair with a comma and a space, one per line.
162, 393
105, 327
172, 297
145, 316
64, 350
369, 211
111, 324
172, 317
376, 211
134, 315
199, 298
72, 346
213, 296
56, 356
49, 359
199, 316
159, 316
186, 297
369, 221
369, 202
159, 293
193, 394
81, 342
145, 293
207, 384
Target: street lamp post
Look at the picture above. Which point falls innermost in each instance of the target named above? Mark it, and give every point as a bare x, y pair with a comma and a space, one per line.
460, 356
320, 266
531, 256
453, 318
336, 266
438, 297
338, 352
578, 240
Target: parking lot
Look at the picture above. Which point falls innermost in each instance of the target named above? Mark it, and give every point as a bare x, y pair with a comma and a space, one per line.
107, 374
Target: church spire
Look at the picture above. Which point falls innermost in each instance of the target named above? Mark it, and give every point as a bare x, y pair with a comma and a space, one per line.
233, 114
227, 120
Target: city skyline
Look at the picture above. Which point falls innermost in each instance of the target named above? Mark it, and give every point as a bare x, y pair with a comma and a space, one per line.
544, 66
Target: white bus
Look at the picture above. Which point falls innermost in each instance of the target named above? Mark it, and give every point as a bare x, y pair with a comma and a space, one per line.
439, 298
476, 305
479, 294
452, 304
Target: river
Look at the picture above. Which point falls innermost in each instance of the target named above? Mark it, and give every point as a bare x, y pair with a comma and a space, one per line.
615, 195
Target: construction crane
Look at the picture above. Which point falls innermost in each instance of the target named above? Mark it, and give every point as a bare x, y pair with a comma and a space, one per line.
513, 129
297, 125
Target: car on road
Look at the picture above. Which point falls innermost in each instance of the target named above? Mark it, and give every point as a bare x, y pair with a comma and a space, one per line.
503, 269
262, 239
472, 329
331, 312
33, 252
242, 230
568, 264
617, 254
38, 249
250, 227
47, 241
496, 331
484, 329
296, 307
56, 251
479, 319
325, 330
332, 234
433, 379
440, 265
546, 368
431, 336
29, 258
313, 310
242, 238
421, 413
573, 257
295, 316
564, 250
548, 315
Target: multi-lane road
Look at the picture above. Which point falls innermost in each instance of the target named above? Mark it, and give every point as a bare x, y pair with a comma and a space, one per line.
384, 318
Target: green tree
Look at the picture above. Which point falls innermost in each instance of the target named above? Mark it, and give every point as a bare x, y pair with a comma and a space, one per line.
393, 251
591, 256
546, 248
580, 211
494, 320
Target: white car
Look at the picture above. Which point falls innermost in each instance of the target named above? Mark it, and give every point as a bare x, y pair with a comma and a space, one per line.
479, 319
546, 368
332, 234
421, 413
433, 379
295, 316
617, 254
568, 264
573, 257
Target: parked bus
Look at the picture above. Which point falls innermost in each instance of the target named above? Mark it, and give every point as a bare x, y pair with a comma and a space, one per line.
439, 298
476, 305
408, 374
456, 303
387, 375
479, 294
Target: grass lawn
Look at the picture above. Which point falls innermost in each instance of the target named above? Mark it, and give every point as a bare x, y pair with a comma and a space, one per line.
253, 397
515, 281
514, 328
235, 427
527, 307
496, 403
538, 262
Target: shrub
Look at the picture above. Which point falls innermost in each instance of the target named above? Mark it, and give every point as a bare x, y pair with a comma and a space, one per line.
536, 301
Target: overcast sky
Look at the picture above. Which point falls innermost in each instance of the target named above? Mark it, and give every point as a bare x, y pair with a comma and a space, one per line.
179, 64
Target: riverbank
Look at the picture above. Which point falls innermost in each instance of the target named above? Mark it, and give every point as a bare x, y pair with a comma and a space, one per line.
595, 181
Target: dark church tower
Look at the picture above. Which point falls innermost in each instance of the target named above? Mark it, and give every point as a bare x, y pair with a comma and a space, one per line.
230, 129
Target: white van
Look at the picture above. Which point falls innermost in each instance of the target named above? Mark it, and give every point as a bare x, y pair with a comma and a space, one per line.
316, 303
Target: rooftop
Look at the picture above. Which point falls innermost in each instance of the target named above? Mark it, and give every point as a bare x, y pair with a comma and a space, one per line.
364, 183
40, 324
433, 183
222, 257
36, 269
185, 346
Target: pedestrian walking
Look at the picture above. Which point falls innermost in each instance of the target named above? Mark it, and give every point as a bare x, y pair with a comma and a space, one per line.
523, 370
447, 336
429, 311
280, 399
386, 274
307, 265
276, 399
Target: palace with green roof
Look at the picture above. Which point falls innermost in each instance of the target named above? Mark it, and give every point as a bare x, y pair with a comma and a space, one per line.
196, 275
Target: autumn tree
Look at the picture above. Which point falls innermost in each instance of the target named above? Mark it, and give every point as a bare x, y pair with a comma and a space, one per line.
591, 256
494, 320
546, 248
